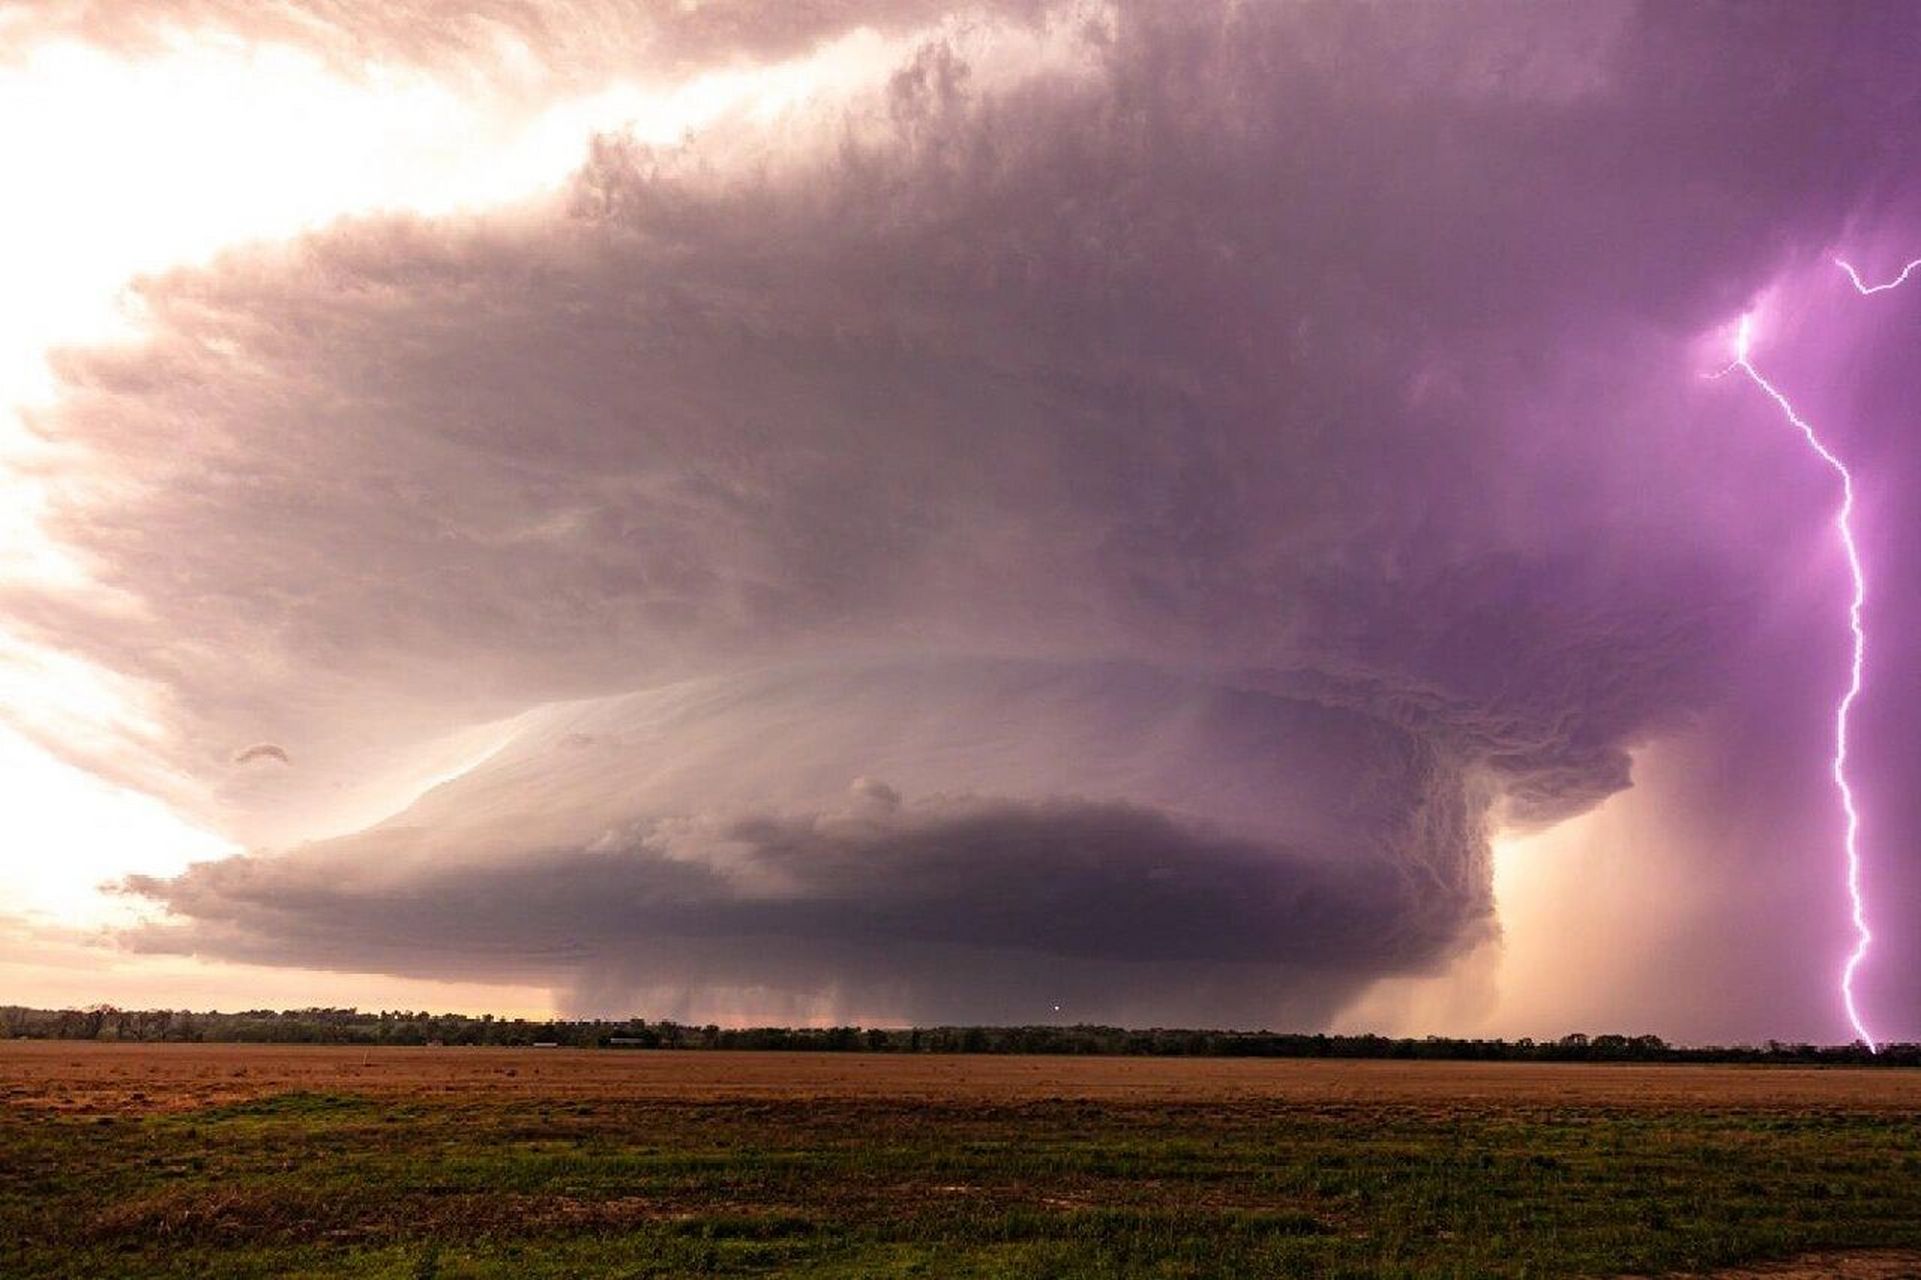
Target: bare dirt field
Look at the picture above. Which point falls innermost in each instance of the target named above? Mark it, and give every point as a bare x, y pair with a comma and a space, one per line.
140, 1077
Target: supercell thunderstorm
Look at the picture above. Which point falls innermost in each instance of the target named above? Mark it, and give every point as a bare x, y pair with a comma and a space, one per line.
1104, 503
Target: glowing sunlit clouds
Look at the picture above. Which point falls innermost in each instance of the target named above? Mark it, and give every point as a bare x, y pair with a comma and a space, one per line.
164, 161
135, 165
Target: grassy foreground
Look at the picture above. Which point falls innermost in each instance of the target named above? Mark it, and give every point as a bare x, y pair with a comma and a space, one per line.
340, 1183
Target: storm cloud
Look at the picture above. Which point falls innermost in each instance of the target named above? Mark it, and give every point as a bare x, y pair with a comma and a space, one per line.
1050, 820
1170, 462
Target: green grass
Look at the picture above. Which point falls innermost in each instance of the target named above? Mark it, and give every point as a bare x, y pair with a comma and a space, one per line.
334, 1184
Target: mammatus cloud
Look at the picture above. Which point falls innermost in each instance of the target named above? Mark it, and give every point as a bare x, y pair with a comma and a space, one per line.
1180, 459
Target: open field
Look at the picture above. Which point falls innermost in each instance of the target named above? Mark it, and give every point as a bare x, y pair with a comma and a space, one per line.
230, 1160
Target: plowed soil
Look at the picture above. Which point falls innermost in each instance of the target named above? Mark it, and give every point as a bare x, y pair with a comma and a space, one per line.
150, 1077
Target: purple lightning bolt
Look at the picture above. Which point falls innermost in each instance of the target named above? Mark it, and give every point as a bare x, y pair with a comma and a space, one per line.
1838, 768
1863, 288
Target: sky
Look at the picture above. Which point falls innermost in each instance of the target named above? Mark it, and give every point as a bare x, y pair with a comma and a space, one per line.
889, 510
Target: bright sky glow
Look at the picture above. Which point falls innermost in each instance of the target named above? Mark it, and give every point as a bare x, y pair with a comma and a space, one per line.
80, 832
164, 161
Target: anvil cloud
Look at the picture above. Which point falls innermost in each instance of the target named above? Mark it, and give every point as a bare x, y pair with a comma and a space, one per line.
1116, 509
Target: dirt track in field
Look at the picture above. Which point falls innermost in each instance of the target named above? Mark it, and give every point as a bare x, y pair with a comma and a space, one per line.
1878, 1264
120, 1078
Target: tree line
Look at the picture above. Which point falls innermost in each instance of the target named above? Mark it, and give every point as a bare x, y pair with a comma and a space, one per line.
406, 1027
